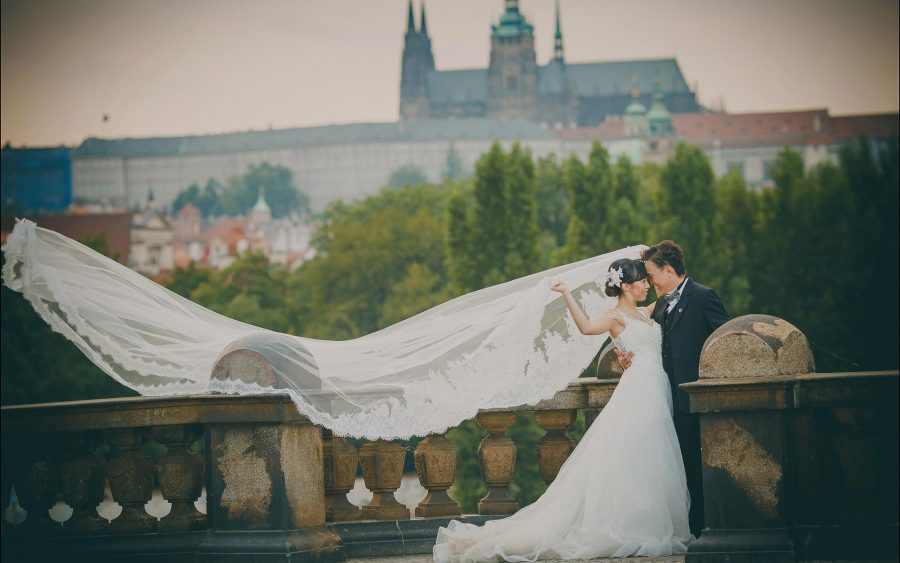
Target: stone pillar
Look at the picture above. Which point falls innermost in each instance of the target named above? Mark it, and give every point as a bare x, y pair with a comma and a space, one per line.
341, 460
82, 475
436, 465
131, 475
497, 455
555, 447
382, 466
265, 493
742, 400
180, 473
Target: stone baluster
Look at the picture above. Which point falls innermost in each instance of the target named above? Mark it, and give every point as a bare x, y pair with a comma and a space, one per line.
131, 475
497, 455
37, 482
436, 465
555, 447
341, 460
382, 466
180, 474
82, 475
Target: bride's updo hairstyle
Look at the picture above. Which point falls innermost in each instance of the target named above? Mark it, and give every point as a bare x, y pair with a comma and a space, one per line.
632, 271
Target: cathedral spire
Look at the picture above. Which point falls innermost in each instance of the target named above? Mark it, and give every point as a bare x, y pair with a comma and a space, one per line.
410, 20
557, 39
423, 27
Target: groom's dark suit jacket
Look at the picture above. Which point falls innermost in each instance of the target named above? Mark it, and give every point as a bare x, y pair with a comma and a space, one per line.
695, 316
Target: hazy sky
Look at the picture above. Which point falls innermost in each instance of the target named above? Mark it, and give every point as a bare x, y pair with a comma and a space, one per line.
172, 67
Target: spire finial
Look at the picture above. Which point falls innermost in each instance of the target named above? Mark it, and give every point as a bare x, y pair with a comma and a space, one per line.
410, 20
557, 39
423, 27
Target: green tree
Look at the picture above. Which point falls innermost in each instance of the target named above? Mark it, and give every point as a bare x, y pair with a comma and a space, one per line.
407, 175
552, 205
40, 365
522, 256
365, 251
590, 197
733, 242
241, 192
490, 219
453, 168
688, 205
460, 262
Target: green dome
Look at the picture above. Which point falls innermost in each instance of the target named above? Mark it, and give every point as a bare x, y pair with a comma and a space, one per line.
512, 23
635, 108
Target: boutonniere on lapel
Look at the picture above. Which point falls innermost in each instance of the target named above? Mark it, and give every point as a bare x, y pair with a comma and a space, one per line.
680, 310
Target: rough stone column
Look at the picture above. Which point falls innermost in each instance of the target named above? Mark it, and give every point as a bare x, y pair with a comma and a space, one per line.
180, 473
436, 465
555, 447
82, 474
341, 460
382, 466
742, 400
497, 455
131, 475
266, 481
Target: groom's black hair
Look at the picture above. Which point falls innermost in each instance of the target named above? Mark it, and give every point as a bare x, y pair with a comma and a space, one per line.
632, 271
667, 252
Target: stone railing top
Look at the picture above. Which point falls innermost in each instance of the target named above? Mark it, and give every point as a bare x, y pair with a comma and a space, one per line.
132, 412
795, 391
755, 346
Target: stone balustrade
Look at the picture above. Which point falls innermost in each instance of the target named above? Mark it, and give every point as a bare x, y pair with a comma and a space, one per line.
795, 464
273, 480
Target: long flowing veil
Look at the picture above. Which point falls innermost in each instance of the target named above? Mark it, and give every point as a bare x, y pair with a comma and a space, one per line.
503, 346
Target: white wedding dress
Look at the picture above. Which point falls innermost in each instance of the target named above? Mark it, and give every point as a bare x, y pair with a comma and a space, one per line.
622, 492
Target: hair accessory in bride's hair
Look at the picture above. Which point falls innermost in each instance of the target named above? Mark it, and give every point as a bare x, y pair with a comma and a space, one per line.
614, 277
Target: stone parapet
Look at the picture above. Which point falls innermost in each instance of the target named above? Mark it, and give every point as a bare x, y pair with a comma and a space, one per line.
797, 465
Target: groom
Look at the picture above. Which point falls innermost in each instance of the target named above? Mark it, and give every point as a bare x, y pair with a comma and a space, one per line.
689, 313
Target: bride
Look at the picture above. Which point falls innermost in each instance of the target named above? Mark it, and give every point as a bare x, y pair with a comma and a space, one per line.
623, 490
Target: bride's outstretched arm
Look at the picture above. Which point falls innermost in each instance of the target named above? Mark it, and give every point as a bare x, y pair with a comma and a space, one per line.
598, 325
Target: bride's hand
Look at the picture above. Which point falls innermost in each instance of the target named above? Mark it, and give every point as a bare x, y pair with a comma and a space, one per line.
559, 287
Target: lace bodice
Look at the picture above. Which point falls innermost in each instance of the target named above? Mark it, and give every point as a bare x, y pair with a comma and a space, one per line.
643, 336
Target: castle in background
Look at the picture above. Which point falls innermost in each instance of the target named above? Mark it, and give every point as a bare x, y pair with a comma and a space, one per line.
558, 94
638, 109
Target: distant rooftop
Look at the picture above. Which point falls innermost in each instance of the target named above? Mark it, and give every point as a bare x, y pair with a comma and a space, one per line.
460, 129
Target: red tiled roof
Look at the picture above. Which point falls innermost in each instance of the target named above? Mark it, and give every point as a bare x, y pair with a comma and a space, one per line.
188, 210
873, 126
789, 128
226, 225
690, 126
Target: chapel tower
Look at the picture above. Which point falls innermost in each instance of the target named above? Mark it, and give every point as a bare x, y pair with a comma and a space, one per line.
418, 61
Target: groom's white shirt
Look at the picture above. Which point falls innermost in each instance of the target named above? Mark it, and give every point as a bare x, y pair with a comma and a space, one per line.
674, 301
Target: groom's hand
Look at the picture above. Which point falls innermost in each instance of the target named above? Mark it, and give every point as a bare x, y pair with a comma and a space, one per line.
624, 359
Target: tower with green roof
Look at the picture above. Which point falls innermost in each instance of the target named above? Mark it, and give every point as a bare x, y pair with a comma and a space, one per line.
659, 120
635, 113
261, 212
512, 73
